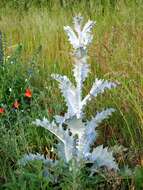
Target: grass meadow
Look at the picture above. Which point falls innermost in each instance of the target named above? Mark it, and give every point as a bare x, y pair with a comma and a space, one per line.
34, 46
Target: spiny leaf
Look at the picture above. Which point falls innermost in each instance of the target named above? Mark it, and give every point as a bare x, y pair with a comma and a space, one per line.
98, 87
83, 37
31, 157
68, 91
62, 135
102, 157
100, 116
77, 20
89, 134
73, 39
86, 33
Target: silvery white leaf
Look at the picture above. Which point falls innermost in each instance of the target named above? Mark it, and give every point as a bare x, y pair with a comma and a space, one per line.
59, 119
73, 39
43, 123
62, 119
102, 157
62, 135
53, 128
87, 139
98, 87
76, 126
100, 116
31, 157
77, 20
71, 93
83, 37
88, 26
68, 91
89, 135
86, 33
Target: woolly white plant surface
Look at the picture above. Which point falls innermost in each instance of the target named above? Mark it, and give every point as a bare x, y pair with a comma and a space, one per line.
77, 144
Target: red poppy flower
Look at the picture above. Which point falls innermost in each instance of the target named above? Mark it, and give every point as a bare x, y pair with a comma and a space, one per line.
28, 93
16, 104
2, 110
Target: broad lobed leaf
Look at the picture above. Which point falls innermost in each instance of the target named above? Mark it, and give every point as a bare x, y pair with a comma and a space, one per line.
63, 135
89, 134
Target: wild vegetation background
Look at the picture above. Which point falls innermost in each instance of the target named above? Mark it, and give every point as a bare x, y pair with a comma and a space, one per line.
34, 46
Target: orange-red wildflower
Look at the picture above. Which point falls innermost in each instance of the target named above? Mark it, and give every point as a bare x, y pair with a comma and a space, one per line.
28, 93
2, 110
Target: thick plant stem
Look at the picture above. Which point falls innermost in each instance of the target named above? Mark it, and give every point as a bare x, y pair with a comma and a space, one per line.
79, 96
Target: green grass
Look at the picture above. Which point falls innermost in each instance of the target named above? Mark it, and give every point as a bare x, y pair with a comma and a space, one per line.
116, 54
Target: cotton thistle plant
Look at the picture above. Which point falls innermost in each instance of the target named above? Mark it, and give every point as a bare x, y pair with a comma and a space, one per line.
75, 143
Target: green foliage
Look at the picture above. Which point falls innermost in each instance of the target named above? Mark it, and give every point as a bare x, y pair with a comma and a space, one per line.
139, 177
32, 178
15, 79
24, 5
